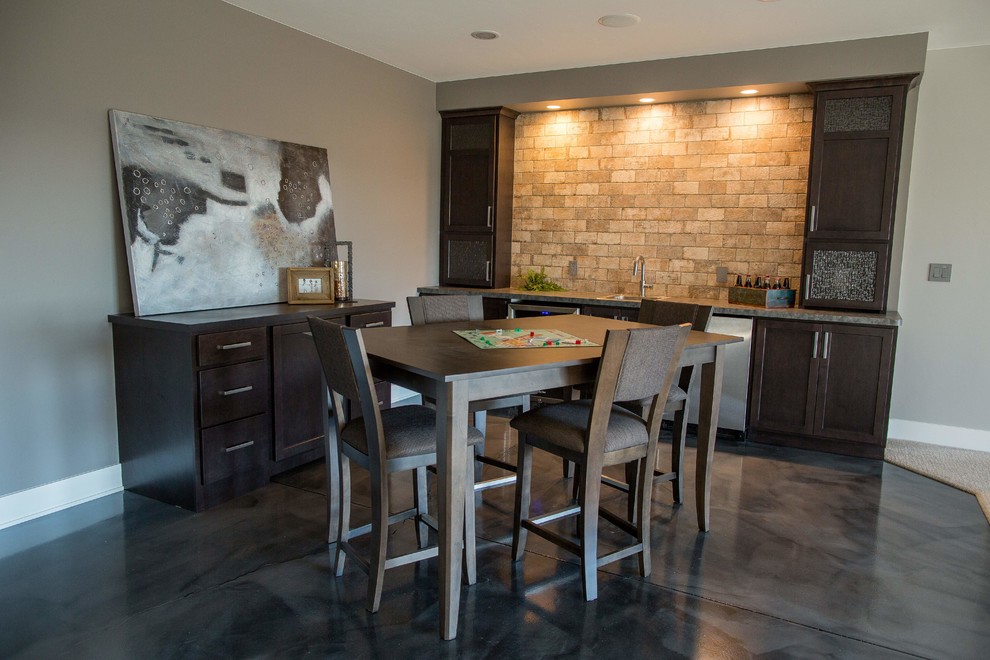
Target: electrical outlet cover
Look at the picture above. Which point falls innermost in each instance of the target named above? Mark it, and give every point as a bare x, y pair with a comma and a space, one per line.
939, 272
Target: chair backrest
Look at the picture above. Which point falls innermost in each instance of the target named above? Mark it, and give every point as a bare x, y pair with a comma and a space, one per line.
636, 364
444, 309
666, 312
348, 375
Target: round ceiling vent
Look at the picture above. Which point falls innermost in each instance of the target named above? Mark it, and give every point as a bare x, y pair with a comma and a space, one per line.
619, 20
485, 35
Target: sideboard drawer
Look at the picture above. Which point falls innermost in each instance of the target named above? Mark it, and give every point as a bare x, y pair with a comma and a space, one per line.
234, 448
230, 347
370, 320
229, 393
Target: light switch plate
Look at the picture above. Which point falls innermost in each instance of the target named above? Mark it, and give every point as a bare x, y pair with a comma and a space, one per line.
939, 272
572, 268
721, 275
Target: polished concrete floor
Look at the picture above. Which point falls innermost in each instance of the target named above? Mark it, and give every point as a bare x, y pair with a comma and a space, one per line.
809, 555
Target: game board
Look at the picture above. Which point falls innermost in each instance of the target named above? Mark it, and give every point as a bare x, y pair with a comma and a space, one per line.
522, 338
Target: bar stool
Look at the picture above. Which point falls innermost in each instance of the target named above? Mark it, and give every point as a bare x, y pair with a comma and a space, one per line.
383, 442
636, 364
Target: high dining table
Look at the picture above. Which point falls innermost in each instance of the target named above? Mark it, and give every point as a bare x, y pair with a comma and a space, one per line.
432, 360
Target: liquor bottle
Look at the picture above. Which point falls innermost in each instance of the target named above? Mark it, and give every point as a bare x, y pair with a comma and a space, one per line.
776, 283
766, 281
738, 280
749, 281
759, 282
787, 283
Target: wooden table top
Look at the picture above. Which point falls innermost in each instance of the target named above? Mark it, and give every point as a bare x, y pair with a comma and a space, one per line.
434, 351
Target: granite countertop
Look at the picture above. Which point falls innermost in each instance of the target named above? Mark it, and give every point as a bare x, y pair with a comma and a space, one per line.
719, 307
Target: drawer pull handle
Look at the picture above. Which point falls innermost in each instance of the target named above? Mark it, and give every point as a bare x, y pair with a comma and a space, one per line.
489, 216
814, 225
243, 445
376, 324
828, 344
814, 349
230, 347
238, 390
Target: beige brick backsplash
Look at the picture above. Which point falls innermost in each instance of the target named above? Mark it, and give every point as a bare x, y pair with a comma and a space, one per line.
689, 186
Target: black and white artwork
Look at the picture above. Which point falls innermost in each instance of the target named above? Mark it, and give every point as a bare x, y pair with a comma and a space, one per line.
212, 218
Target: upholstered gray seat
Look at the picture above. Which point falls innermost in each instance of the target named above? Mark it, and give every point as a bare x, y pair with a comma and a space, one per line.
636, 364
408, 430
382, 442
566, 426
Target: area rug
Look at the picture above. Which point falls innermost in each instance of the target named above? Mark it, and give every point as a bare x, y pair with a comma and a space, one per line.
965, 469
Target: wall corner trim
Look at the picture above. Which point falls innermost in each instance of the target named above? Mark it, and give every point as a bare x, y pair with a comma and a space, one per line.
48, 498
938, 434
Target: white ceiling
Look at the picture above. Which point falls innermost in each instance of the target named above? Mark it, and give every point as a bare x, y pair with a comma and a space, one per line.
431, 38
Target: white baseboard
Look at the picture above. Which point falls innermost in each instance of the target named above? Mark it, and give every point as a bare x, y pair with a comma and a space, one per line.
401, 394
937, 434
35, 502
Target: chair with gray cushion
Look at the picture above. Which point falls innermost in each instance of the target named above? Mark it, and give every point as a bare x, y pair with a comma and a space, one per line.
636, 364
663, 312
447, 309
382, 442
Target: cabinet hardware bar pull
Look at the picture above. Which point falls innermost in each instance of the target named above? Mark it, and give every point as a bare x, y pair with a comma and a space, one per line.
807, 286
489, 215
828, 343
488, 270
376, 324
229, 347
814, 350
243, 445
239, 390
813, 225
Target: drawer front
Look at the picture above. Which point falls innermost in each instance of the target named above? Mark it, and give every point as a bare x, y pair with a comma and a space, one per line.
230, 347
370, 320
234, 448
229, 393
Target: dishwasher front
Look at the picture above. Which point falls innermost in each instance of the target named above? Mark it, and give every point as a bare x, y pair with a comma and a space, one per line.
735, 378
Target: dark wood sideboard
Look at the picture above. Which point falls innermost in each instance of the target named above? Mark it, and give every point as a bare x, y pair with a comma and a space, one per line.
211, 404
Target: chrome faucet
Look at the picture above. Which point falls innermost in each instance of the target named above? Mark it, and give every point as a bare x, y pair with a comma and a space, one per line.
639, 268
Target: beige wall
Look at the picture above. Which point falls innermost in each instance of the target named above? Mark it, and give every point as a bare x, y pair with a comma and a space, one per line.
943, 353
690, 186
63, 65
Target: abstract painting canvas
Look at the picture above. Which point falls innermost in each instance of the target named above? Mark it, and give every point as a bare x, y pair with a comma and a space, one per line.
212, 218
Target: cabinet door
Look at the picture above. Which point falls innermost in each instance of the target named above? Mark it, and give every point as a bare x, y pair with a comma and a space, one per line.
468, 183
854, 163
854, 383
496, 308
300, 396
784, 376
466, 259
846, 275
608, 312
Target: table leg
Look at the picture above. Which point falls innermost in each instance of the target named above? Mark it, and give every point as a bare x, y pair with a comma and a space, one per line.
452, 415
708, 405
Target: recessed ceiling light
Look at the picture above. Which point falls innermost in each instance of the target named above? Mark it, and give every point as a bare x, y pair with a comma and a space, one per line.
749, 91
485, 35
553, 107
647, 100
619, 20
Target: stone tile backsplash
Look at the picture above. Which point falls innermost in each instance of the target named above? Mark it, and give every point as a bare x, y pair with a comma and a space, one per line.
690, 186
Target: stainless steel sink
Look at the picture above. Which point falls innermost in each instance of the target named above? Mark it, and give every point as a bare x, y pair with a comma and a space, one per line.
620, 296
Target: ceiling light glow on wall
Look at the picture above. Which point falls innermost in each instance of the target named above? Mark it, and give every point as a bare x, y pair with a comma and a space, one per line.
647, 100
619, 20
749, 91
485, 35
553, 107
